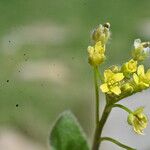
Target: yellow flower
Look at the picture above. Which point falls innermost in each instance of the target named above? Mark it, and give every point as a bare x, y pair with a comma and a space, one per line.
138, 120
96, 54
112, 82
129, 67
142, 79
141, 50
101, 33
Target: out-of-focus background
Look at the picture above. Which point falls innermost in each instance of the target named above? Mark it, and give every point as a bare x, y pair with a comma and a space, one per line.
44, 69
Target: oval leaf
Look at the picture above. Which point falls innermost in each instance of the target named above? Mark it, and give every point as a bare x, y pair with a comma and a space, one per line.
67, 134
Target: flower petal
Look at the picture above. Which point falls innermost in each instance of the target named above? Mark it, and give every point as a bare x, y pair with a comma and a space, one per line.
118, 77
99, 48
143, 85
90, 50
139, 110
137, 43
104, 88
140, 70
148, 74
108, 74
136, 78
137, 130
116, 90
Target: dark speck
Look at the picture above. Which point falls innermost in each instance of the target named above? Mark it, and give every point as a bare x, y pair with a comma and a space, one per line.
7, 81
17, 105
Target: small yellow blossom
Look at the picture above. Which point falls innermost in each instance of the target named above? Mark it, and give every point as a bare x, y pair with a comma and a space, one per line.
112, 82
129, 67
141, 50
96, 54
142, 79
138, 120
101, 33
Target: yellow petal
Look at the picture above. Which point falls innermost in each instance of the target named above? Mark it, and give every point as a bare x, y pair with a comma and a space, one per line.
90, 50
104, 88
138, 131
98, 44
136, 78
116, 90
148, 74
140, 70
108, 74
143, 85
139, 110
99, 48
118, 77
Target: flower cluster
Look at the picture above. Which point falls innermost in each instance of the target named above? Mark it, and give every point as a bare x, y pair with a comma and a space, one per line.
117, 83
122, 81
127, 79
96, 52
131, 77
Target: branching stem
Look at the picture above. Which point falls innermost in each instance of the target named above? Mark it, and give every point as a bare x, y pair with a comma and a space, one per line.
116, 142
99, 128
123, 107
101, 122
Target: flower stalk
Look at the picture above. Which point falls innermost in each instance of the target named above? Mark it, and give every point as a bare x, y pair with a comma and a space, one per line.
96, 94
98, 131
123, 107
117, 83
117, 143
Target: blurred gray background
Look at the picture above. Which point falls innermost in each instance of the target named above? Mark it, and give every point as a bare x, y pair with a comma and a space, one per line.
44, 69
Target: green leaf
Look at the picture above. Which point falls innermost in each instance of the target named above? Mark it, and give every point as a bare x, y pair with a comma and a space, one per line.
67, 134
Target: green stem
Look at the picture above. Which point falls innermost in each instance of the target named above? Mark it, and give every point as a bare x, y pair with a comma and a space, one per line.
99, 128
123, 107
96, 94
99, 75
117, 143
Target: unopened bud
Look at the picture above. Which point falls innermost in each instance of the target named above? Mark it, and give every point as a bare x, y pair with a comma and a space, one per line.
101, 33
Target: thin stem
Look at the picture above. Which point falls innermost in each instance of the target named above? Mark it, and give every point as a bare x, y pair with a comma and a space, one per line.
96, 94
117, 143
99, 75
99, 128
123, 107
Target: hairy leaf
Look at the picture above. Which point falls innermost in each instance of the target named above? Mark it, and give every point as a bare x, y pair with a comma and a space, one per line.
67, 134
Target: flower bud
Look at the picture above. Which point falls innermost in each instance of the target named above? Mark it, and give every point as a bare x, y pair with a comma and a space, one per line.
127, 88
129, 67
141, 78
101, 33
141, 50
96, 54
